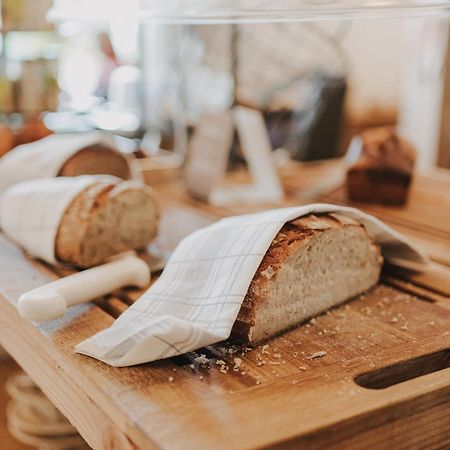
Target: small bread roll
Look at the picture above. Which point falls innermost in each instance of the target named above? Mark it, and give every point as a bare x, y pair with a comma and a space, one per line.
31, 131
6, 139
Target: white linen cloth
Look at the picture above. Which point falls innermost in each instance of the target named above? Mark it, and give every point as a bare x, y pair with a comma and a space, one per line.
30, 212
44, 158
198, 296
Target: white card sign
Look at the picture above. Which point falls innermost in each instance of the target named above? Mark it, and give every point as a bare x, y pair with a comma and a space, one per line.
209, 151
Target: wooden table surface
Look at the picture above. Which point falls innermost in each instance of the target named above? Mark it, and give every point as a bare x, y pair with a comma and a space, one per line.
281, 396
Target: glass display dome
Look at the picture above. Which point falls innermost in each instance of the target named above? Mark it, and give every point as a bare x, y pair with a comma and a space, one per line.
246, 11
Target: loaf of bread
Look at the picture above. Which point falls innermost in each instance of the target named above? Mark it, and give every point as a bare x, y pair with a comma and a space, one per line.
96, 159
67, 155
314, 263
104, 220
381, 169
6, 139
31, 131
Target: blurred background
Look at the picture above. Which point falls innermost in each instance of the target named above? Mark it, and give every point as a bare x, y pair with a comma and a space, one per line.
81, 65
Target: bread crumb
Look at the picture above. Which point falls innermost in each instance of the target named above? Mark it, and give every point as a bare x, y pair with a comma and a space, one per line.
192, 366
268, 273
202, 359
315, 355
394, 320
294, 381
302, 368
432, 323
276, 355
367, 310
237, 364
171, 379
313, 321
258, 382
220, 362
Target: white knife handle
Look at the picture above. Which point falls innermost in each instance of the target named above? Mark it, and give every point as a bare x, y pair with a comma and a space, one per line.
51, 300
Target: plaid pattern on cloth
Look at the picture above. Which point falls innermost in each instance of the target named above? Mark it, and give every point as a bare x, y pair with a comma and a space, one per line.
198, 296
44, 158
31, 211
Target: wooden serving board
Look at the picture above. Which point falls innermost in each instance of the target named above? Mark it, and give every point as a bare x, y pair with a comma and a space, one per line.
373, 373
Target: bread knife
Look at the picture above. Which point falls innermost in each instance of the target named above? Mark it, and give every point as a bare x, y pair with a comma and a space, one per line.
51, 300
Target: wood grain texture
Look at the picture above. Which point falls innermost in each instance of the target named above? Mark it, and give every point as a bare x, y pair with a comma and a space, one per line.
280, 396
7, 442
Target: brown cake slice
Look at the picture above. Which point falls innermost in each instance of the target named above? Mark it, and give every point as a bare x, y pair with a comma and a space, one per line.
382, 167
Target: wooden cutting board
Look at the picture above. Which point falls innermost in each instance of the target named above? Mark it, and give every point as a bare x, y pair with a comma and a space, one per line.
373, 373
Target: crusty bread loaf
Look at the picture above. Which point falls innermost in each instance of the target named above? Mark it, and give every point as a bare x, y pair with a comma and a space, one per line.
96, 159
314, 263
382, 168
104, 220
32, 130
6, 139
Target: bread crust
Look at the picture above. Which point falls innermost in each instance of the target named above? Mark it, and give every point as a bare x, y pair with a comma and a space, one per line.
94, 160
290, 238
75, 223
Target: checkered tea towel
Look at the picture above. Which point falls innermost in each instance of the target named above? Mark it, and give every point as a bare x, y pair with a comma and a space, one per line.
44, 158
30, 212
198, 296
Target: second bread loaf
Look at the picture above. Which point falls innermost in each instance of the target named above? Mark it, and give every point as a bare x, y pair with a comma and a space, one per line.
104, 220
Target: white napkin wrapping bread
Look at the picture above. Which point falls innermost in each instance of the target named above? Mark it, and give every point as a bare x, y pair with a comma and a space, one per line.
31, 211
44, 158
198, 296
